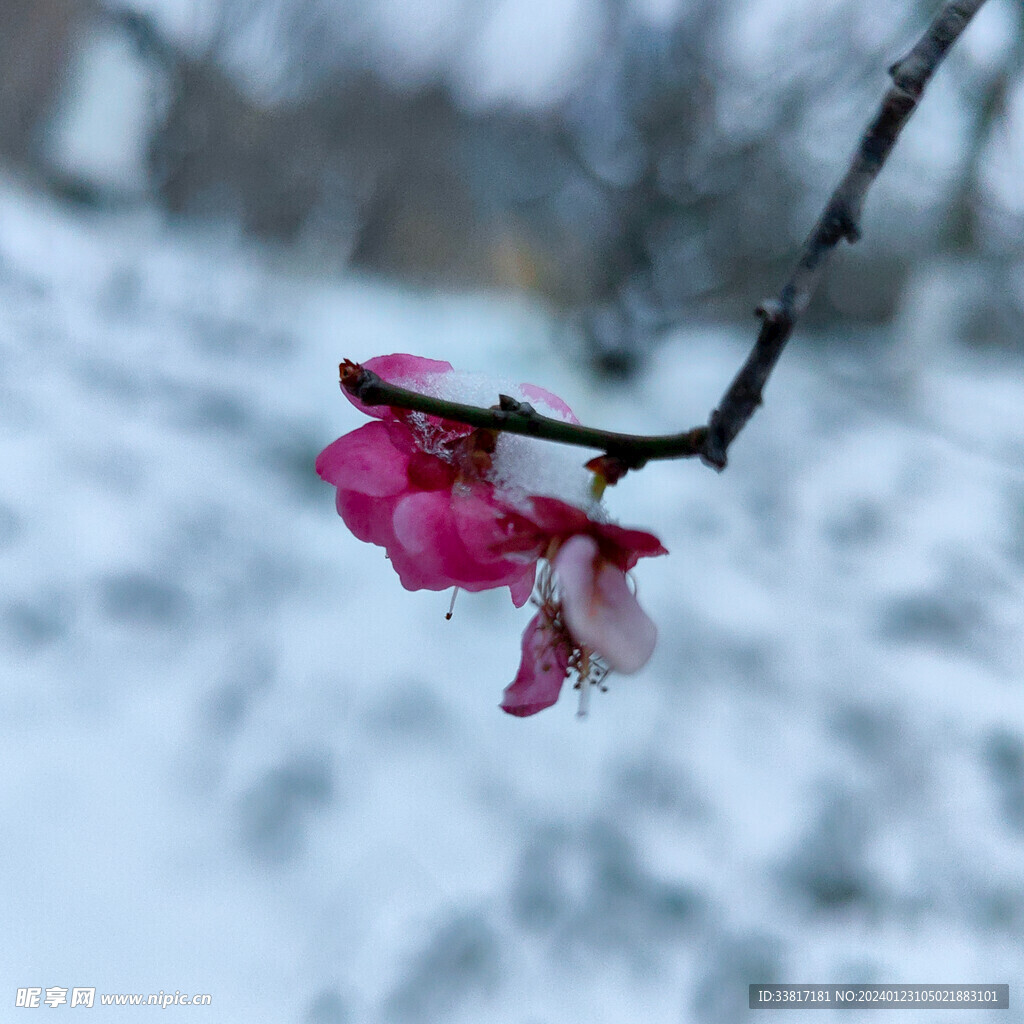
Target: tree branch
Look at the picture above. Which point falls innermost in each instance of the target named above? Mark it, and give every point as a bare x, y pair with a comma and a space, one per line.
840, 219
513, 417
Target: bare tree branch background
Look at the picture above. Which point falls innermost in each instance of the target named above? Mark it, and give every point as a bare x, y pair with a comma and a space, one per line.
624, 200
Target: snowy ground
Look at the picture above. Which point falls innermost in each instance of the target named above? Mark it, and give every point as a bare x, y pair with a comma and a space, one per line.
241, 760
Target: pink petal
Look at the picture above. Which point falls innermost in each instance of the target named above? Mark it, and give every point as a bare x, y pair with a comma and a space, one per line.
483, 524
373, 520
366, 461
625, 548
484, 528
428, 548
489, 528
522, 588
544, 666
538, 394
430, 473
555, 518
426, 534
369, 518
404, 371
600, 610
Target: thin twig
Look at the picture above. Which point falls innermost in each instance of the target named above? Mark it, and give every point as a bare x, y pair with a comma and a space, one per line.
839, 220
513, 417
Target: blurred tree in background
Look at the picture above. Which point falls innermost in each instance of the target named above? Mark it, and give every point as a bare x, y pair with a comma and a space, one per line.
634, 165
36, 44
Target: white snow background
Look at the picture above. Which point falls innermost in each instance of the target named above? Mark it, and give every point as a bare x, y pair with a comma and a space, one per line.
240, 759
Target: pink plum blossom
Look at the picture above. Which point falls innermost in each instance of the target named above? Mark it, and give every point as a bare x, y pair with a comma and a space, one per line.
428, 491
412, 486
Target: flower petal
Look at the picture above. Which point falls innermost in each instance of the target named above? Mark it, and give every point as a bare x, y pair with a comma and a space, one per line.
369, 518
556, 518
521, 588
489, 528
404, 371
623, 547
428, 548
426, 533
366, 461
599, 609
535, 393
544, 666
